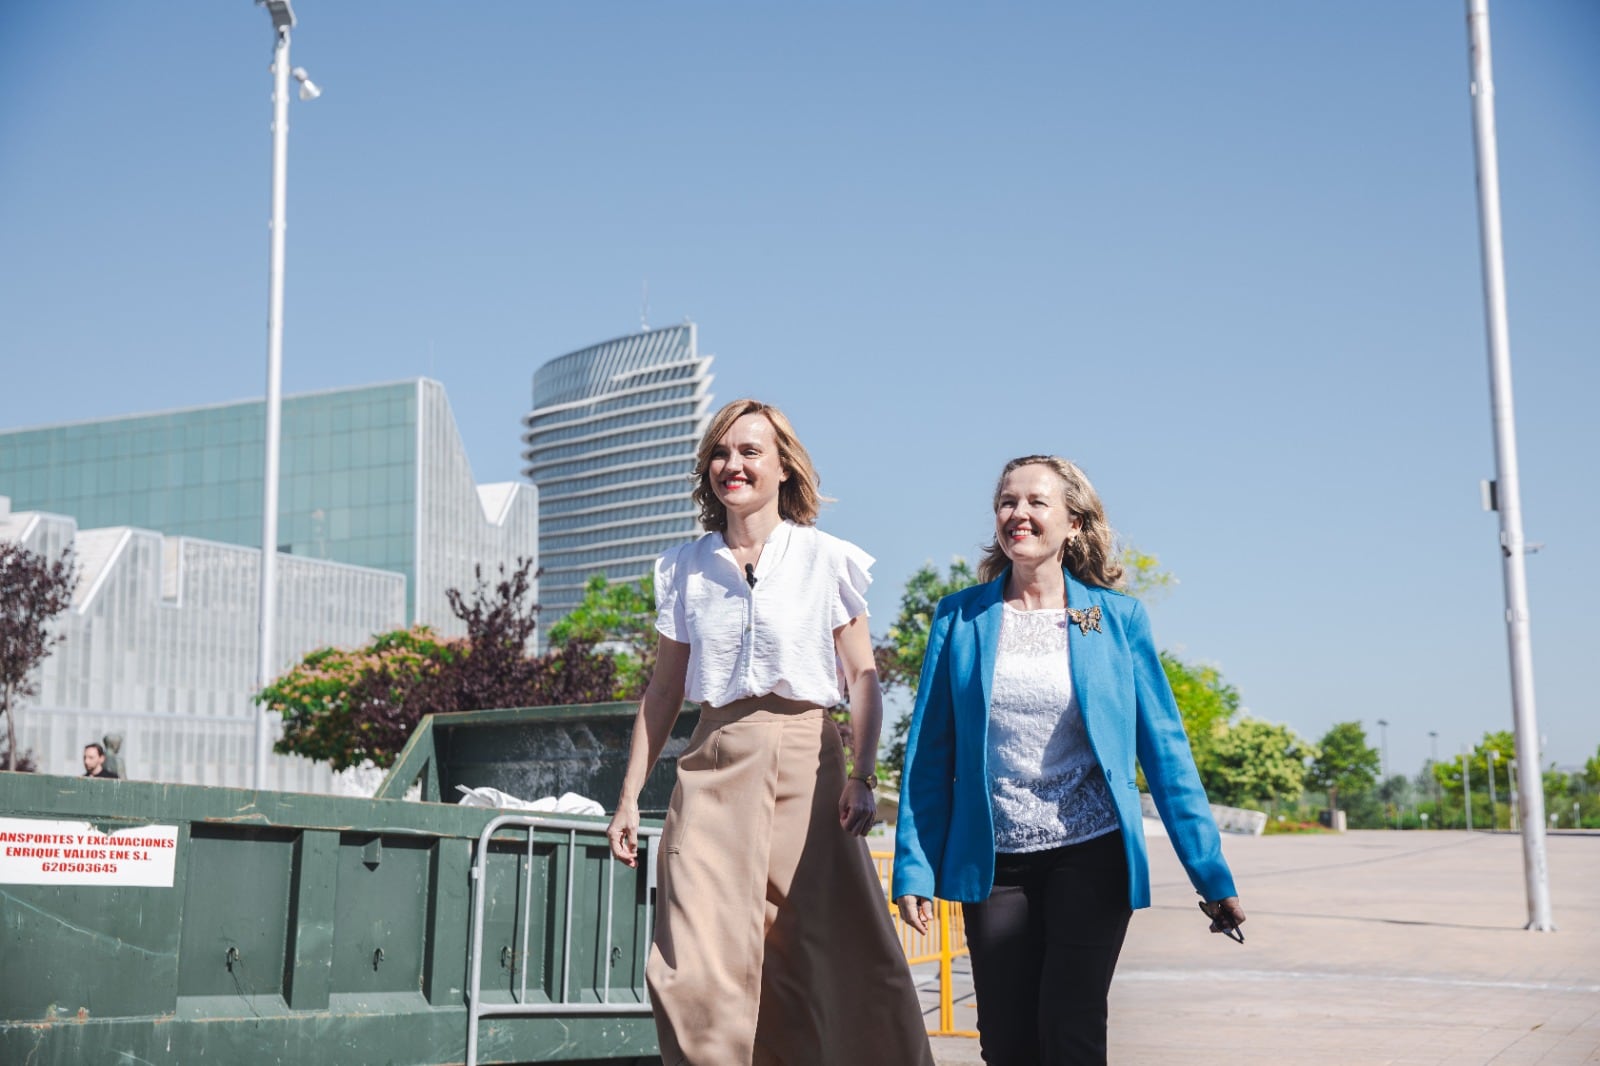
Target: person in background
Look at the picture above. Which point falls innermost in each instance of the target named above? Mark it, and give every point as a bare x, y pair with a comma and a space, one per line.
772, 944
1039, 689
94, 762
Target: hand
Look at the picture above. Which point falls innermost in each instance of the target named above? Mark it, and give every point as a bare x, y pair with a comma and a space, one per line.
916, 912
858, 811
623, 832
1225, 914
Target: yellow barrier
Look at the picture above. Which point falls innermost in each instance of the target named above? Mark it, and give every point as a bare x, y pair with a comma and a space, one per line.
945, 939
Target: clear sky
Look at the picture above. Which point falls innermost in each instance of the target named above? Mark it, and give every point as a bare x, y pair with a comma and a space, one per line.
1224, 255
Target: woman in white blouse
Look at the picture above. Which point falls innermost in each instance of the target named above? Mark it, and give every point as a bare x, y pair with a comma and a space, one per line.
773, 944
1040, 688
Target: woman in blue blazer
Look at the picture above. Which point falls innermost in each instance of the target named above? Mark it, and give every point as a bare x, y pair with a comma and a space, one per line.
1040, 688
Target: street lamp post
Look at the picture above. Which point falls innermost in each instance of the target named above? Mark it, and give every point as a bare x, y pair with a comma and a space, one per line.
1433, 760
1466, 789
1383, 760
1506, 490
283, 21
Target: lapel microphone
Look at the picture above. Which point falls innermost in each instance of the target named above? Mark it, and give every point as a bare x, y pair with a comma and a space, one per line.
750, 574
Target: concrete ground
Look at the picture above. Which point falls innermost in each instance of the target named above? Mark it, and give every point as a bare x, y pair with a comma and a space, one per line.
1361, 948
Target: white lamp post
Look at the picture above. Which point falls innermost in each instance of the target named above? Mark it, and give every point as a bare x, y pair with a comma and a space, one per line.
1505, 493
283, 21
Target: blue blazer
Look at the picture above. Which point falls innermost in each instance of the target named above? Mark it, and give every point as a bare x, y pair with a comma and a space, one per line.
944, 840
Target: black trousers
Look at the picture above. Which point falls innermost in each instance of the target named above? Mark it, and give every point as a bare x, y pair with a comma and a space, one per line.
1044, 946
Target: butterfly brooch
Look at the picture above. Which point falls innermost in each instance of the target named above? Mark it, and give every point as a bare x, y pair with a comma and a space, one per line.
1085, 620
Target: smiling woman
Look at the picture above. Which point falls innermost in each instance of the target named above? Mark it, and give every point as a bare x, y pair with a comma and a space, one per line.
772, 942
1039, 690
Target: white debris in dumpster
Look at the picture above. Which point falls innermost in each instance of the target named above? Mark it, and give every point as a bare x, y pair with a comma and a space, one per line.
567, 803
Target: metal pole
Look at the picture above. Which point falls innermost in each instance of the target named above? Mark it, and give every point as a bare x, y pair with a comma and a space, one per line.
267, 600
1508, 497
1466, 789
1494, 810
1433, 761
1511, 790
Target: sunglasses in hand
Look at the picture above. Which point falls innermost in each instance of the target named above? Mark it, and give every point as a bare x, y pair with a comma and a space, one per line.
1214, 912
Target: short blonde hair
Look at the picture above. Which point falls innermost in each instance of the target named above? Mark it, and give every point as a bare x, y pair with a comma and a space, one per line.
799, 498
1090, 556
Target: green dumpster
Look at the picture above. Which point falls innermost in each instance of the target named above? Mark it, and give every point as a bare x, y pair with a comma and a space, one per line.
142, 922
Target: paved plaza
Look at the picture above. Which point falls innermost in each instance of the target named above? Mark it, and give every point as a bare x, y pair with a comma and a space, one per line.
1362, 948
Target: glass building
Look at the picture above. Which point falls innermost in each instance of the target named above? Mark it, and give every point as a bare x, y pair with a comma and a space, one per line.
610, 445
379, 517
160, 648
374, 476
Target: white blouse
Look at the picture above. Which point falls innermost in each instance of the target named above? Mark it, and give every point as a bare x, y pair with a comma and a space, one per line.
1047, 787
773, 637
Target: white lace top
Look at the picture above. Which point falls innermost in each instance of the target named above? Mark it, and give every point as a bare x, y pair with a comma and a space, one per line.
1047, 785
774, 637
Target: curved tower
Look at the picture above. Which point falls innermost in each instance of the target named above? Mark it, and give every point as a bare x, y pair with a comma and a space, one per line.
610, 444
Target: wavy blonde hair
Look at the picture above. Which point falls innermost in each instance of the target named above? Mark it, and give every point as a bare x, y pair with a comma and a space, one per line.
1090, 556
799, 498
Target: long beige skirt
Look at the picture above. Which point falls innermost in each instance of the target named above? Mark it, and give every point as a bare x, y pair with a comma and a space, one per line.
773, 943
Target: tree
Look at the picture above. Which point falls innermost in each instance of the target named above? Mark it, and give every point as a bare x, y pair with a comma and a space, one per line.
1143, 576
1345, 762
33, 591
1206, 702
620, 618
347, 707
899, 653
1254, 761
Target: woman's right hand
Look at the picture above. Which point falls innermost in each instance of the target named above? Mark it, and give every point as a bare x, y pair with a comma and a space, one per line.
916, 912
623, 832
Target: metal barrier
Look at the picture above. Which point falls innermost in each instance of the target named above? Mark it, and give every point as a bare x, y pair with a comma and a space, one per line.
522, 920
945, 939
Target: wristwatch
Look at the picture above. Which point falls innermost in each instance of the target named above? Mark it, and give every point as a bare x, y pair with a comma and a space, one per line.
868, 779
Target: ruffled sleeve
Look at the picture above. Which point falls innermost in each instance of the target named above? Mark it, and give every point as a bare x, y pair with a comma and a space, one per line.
671, 621
853, 571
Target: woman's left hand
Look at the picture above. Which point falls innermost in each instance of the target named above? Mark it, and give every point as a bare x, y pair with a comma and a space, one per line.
1225, 914
858, 810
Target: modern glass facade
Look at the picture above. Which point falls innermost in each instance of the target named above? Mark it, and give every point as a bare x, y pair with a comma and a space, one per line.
610, 445
379, 518
161, 646
373, 476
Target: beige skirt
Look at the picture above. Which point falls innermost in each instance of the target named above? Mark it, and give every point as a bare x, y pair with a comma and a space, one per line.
773, 943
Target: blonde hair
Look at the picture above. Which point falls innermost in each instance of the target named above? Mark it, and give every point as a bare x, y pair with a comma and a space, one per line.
799, 498
1090, 556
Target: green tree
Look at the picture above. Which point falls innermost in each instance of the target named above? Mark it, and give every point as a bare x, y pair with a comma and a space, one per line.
1254, 762
1448, 773
899, 653
618, 618
345, 707
1344, 762
1207, 703
1143, 576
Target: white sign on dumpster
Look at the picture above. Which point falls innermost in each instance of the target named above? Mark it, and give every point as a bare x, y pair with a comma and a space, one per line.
38, 852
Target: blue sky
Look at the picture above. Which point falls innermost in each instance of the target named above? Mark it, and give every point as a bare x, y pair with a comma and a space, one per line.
1223, 255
